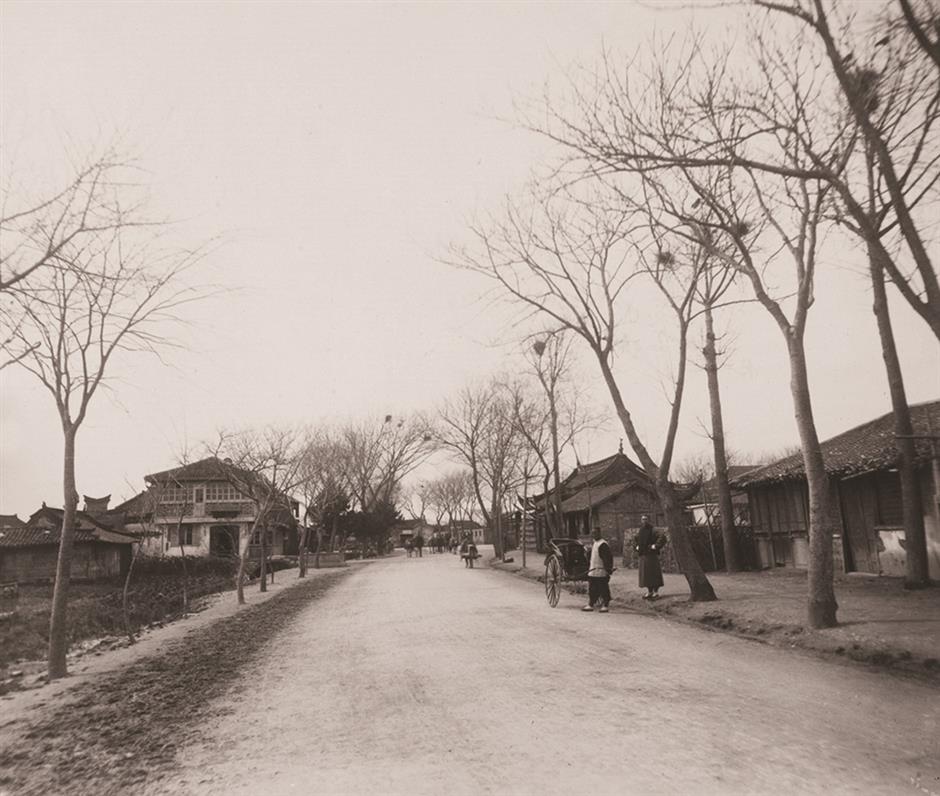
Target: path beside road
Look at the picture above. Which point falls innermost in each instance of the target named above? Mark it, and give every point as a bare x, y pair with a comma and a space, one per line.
881, 623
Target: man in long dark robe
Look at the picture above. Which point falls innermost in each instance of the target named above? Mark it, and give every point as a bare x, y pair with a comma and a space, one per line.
648, 545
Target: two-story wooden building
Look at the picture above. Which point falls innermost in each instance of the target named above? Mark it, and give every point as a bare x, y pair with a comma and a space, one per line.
200, 509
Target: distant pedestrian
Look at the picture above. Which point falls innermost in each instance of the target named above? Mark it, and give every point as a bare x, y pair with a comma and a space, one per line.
468, 552
600, 569
419, 544
409, 547
648, 544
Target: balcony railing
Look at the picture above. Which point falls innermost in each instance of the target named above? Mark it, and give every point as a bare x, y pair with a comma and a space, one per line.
210, 508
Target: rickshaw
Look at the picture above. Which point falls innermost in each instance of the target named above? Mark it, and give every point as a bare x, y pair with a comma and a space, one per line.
565, 561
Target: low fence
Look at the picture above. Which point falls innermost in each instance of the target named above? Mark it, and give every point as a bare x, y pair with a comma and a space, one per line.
707, 545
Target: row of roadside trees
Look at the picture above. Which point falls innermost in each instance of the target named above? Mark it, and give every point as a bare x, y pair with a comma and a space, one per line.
727, 171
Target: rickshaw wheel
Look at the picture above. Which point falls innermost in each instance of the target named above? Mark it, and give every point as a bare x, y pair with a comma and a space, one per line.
552, 581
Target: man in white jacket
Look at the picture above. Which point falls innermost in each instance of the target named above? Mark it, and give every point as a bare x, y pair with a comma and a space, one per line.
599, 572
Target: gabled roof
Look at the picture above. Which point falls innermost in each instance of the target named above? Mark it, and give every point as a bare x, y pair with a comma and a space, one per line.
140, 504
210, 468
55, 517
619, 466
616, 469
31, 536
865, 448
11, 521
588, 498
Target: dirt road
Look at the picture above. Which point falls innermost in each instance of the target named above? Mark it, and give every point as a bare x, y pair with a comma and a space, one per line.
418, 676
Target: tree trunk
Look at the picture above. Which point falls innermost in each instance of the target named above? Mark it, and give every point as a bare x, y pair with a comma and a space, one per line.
497, 529
264, 556
128, 630
700, 589
179, 537
243, 559
556, 470
333, 533
729, 536
549, 510
525, 512
58, 620
822, 606
316, 556
302, 554
917, 575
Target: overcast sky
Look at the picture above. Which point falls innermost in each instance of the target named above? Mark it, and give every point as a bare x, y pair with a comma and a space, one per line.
338, 149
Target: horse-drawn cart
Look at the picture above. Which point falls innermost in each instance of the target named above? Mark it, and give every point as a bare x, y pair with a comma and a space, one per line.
566, 561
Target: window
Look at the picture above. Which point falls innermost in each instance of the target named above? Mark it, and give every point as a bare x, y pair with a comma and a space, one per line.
221, 492
186, 535
174, 494
199, 494
268, 540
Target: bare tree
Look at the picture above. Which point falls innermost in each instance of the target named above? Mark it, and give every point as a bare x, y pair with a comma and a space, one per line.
477, 428
264, 466
453, 493
66, 331
886, 75
532, 418
381, 454
571, 258
60, 230
46, 231
321, 478
692, 118
417, 498
550, 361
151, 507
549, 421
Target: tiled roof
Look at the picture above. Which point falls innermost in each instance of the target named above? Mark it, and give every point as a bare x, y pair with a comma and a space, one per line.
587, 498
210, 468
81, 517
870, 446
708, 492
11, 521
590, 473
30, 536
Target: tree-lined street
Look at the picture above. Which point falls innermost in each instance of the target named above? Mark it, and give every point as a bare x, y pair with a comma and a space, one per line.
390, 277
418, 676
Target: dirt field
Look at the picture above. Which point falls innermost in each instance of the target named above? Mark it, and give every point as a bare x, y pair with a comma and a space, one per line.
121, 728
